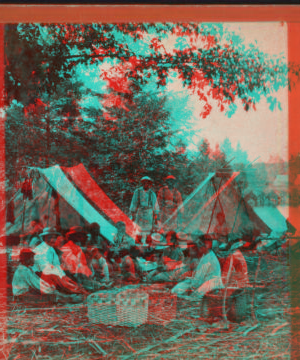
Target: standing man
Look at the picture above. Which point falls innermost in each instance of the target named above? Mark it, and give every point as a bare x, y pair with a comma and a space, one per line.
144, 209
169, 200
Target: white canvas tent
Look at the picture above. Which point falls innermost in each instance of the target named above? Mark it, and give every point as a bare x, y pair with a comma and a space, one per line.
275, 220
219, 192
72, 205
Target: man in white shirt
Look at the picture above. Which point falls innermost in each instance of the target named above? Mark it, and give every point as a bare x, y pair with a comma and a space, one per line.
206, 277
25, 279
28, 286
47, 264
144, 208
46, 260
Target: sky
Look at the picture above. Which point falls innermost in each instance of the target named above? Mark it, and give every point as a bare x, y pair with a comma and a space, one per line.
262, 133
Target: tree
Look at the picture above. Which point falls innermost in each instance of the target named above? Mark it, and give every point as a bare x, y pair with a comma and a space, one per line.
205, 58
134, 145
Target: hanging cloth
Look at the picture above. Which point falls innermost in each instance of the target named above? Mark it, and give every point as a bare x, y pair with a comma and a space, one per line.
26, 189
10, 212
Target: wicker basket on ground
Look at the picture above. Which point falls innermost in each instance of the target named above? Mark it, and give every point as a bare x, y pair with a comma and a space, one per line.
162, 306
132, 307
102, 308
238, 304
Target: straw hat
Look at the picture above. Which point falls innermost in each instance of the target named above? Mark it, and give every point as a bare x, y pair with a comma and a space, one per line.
158, 239
182, 237
170, 177
146, 178
49, 231
75, 230
35, 241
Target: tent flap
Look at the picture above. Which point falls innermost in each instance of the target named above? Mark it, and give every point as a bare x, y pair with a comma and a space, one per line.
58, 180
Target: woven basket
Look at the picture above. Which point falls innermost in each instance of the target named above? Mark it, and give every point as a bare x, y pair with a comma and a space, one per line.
162, 307
237, 304
132, 307
212, 304
102, 308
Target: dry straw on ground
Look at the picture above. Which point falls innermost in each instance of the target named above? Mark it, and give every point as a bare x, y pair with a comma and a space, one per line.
64, 332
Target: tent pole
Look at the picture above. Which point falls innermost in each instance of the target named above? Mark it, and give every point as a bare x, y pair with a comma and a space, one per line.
225, 293
210, 176
215, 205
57, 212
237, 210
49, 204
234, 175
24, 211
253, 294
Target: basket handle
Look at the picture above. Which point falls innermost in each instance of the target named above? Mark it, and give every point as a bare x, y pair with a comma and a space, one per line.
253, 295
225, 292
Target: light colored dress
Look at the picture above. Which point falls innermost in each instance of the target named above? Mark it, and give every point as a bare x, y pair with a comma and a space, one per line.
169, 201
144, 204
25, 279
46, 261
207, 277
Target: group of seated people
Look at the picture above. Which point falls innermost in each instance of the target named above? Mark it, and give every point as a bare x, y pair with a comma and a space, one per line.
73, 265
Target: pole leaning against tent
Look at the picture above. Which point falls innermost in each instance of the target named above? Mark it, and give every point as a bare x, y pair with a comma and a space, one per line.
215, 195
225, 293
254, 319
208, 178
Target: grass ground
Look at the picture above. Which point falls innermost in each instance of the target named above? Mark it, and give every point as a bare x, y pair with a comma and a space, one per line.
64, 332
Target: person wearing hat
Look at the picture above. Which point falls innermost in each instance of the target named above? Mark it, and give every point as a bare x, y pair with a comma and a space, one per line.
171, 260
169, 200
74, 261
46, 259
27, 282
47, 266
144, 209
206, 277
49, 235
73, 257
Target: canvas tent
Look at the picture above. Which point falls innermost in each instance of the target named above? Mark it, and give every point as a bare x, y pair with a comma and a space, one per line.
220, 193
281, 183
80, 177
274, 219
54, 195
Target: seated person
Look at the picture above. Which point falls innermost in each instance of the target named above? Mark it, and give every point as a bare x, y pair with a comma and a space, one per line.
206, 277
170, 261
95, 260
47, 265
190, 264
46, 259
98, 241
36, 227
73, 259
173, 252
239, 271
27, 282
121, 255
